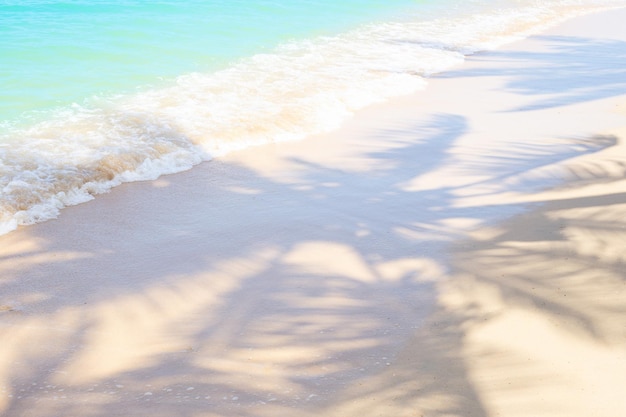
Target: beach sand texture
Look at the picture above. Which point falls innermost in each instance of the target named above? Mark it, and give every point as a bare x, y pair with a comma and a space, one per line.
458, 252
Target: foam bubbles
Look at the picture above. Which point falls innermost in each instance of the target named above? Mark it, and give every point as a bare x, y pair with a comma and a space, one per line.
300, 89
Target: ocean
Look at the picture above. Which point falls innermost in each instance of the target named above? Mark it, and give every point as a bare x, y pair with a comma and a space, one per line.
94, 93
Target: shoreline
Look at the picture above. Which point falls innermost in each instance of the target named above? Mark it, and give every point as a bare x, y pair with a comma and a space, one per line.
192, 134
453, 252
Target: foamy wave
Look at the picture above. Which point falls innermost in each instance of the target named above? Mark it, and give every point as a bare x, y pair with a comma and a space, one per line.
61, 163
301, 89
306, 88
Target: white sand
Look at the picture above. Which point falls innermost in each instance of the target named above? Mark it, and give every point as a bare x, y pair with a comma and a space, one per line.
459, 252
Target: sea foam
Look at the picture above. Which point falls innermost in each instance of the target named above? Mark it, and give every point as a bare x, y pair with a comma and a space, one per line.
299, 89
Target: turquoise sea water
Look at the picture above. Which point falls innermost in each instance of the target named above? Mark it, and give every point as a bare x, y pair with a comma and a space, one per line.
98, 92
55, 53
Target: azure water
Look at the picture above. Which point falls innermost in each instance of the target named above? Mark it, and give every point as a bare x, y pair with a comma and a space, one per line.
55, 53
97, 92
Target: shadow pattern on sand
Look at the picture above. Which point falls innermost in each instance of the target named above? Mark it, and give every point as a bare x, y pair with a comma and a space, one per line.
558, 76
351, 308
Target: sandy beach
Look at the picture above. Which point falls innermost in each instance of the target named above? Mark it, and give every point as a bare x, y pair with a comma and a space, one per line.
457, 252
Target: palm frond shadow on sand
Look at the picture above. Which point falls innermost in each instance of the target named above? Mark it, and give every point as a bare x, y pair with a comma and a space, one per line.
557, 76
293, 324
